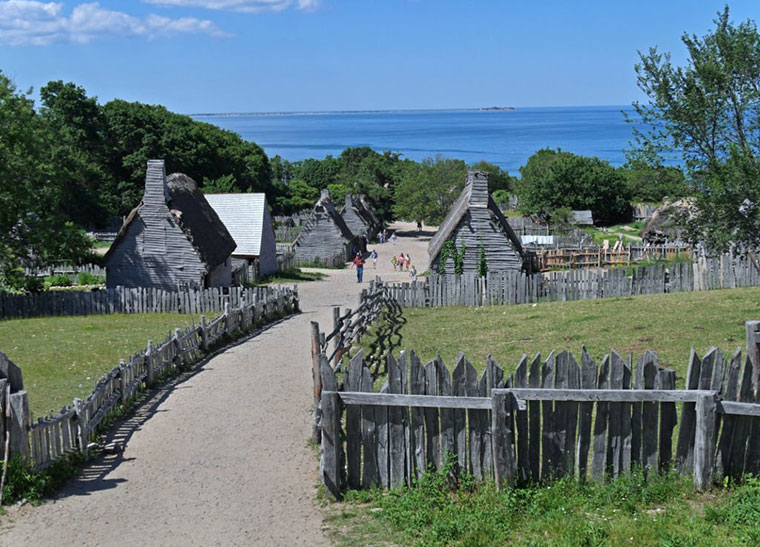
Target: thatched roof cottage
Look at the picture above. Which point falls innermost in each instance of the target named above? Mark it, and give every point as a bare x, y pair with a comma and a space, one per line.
172, 239
360, 216
248, 220
475, 220
325, 238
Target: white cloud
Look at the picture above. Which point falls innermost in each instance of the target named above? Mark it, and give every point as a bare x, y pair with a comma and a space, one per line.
30, 22
244, 6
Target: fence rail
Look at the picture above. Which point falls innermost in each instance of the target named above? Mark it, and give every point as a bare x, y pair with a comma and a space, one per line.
501, 288
600, 257
549, 419
124, 300
51, 437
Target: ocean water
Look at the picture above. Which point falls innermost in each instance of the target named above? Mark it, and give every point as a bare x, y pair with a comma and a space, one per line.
506, 138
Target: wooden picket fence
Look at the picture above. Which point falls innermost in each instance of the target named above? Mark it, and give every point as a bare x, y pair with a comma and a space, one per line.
501, 288
51, 437
549, 419
564, 257
124, 300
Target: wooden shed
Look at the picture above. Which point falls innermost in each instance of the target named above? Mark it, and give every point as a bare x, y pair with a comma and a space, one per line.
325, 238
173, 239
248, 220
475, 221
360, 216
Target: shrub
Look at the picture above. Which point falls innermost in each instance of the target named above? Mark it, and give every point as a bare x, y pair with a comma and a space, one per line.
59, 281
85, 278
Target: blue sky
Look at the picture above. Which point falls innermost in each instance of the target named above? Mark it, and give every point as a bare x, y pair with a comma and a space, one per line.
306, 55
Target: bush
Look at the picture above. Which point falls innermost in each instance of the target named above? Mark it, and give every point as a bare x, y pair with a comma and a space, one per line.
59, 281
85, 278
33, 283
26, 482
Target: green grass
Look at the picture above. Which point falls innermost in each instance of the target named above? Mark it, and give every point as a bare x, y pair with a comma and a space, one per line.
290, 276
63, 357
658, 510
670, 324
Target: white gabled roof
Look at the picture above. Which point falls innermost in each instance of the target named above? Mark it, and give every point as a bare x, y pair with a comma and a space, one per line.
243, 215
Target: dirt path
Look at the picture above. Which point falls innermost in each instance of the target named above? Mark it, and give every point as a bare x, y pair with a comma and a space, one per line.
221, 456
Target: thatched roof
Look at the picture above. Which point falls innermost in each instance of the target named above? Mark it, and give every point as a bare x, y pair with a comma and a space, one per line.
662, 222
474, 194
198, 220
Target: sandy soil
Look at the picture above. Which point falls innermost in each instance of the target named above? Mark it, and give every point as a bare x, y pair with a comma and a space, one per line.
220, 456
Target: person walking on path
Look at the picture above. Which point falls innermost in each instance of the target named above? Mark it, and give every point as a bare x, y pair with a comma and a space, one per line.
413, 273
393, 238
358, 262
373, 256
394, 261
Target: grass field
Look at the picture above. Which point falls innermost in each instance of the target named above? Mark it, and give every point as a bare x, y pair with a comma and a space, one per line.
659, 510
63, 357
670, 324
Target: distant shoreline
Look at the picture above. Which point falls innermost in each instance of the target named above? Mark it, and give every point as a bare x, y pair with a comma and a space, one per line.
323, 112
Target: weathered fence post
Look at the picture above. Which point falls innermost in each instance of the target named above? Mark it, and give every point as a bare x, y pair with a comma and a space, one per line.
150, 379
753, 351
317, 378
204, 333
123, 381
704, 441
501, 434
180, 357
20, 424
226, 317
336, 324
82, 435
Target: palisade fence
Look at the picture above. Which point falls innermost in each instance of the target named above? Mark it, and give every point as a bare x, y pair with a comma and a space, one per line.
549, 419
50, 438
125, 300
500, 288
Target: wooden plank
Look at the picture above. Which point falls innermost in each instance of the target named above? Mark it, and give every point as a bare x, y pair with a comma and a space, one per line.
473, 422
606, 395
459, 389
486, 453
615, 438
503, 450
547, 421
561, 414
588, 376
383, 440
704, 441
573, 382
649, 414
685, 446
625, 429
370, 473
534, 421
521, 424
448, 438
417, 416
432, 427
396, 427
729, 392
353, 383
636, 420
666, 379
331, 443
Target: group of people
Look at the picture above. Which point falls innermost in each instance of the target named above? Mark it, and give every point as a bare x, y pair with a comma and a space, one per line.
401, 262
382, 237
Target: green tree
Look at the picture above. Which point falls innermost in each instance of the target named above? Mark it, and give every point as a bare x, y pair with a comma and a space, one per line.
33, 231
427, 190
649, 180
498, 179
708, 110
552, 179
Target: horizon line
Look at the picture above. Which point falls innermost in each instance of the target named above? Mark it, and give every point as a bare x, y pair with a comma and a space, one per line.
394, 110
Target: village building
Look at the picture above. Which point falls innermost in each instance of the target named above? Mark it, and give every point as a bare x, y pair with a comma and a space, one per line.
248, 220
172, 240
475, 221
360, 216
325, 237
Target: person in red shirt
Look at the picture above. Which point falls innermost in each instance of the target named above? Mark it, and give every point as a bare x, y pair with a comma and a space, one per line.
358, 262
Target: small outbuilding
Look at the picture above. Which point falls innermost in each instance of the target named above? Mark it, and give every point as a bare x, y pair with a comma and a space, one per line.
325, 237
475, 221
172, 240
582, 218
247, 219
360, 216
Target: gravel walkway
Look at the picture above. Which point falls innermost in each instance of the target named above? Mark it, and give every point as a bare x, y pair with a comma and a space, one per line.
220, 457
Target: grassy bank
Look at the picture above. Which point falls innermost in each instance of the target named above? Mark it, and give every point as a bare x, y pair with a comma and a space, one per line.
670, 324
62, 357
661, 510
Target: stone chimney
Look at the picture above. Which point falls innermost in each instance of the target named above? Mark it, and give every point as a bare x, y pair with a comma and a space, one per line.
156, 190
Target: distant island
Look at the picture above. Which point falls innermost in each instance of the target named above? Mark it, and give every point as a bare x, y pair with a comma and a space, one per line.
491, 108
